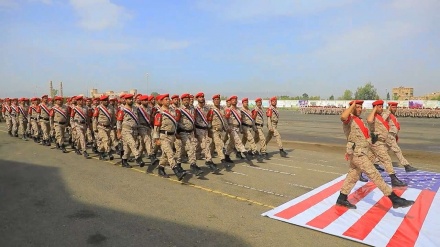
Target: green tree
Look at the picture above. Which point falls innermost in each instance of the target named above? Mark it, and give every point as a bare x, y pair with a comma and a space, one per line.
332, 97
305, 96
315, 98
154, 94
367, 92
348, 95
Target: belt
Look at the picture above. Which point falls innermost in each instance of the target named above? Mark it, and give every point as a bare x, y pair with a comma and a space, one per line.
186, 131
59, 122
104, 125
201, 127
235, 125
80, 121
166, 132
145, 125
247, 125
33, 118
260, 125
47, 119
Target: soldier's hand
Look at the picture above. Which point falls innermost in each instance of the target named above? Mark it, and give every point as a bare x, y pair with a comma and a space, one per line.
119, 136
157, 141
271, 130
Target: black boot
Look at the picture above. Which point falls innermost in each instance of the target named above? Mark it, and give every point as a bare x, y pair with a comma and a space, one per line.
35, 139
248, 157
140, 162
24, 137
110, 155
265, 156
259, 158
77, 152
95, 149
180, 174
238, 155
409, 168
63, 148
342, 201
161, 172
125, 163
196, 170
101, 156
86, 155
379, 168
57, 145
283, 153
228, 159
362, 179
10, 133
399, 202
152, 158
212, 166
395, 182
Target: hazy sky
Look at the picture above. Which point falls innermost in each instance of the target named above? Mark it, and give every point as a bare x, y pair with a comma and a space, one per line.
246, 47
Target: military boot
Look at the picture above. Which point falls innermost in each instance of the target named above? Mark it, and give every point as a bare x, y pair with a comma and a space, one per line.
379, 168
342, 201
196, 170
63, 148
259, 158
77, 151
395, 182
248, 157
161, 172
125, 163
10, 133
238, 155
409, 168
101, 156
265, 156
57, 145
140, 162
228, 159
362, 178
399, 202
212, 166
109, 155
180, 174
86, 155
24, 137
283, 153
152, 158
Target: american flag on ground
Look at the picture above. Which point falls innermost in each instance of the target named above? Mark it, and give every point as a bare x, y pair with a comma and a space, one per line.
374, 222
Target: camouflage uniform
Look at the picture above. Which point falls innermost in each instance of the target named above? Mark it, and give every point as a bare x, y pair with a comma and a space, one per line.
104, 118
23, 119
258, 116
59, 120
128, 122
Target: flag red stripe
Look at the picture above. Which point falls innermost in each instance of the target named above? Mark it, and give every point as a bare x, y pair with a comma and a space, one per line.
302, 206
371, 218
333, 213
408, 231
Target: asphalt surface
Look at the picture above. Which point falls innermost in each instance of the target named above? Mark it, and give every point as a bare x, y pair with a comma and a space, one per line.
53, 199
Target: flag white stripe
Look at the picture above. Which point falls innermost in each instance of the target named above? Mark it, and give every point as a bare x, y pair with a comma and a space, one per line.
431, 226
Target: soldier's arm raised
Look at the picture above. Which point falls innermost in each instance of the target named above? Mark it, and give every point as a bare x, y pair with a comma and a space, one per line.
370, 118
346, 113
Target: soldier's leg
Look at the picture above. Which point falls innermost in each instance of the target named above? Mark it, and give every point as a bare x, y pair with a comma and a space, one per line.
277, 135
218, 143
15, 126
141, 141
188, 143
126, 135
178, 146
262, 140
269, 136
81, 133
207, 146
392, 144
380, 151
247, 135
8, 124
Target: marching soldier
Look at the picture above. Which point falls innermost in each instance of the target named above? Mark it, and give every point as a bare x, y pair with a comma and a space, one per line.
202, 126
357, 152
185, 131
114, 142
379, 131
175, 105
392, 137
34, 115
23, 118
43, 110
165, 127
6, 111
80, 121
104, 118
258, 116
127, 131
14, 117
248, 126
219, 124
272, 122
233, 116
145, 126
59, 117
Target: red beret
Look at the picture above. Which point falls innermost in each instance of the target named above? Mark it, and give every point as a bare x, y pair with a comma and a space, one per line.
392, 103
14, 99
44, 96
358, 102
185, 95
138, 95
244, 99
258, 99
175, 96
233, 97
191, 96
34, 99
273, 98
58, 98
49, 99
113, 99
162, 96
21, 99
128, 96
7, 99
200, 95
217, 96
79, 97
150, 98
144, 97
103, 97
378, 102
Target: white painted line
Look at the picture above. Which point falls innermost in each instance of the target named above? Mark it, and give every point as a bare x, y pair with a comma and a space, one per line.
302, 186
314, 170
259, 190
269, 170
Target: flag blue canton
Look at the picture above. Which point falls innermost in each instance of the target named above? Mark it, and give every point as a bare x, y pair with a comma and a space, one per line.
422, 180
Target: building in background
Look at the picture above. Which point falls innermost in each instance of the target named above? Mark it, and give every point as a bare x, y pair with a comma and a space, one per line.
112, 94
403, 93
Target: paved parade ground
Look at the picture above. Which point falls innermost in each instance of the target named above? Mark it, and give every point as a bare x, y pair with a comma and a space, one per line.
53, 199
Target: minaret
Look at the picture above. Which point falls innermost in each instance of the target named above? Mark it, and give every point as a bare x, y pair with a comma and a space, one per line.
61, 89
51, 89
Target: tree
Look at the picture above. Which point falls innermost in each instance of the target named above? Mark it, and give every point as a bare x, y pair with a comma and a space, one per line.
348, 95
54, 93
305, 96
332, 97
367, 92
154, 94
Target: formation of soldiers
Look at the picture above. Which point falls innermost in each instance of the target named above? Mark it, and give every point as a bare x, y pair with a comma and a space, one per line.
178, 128
400, 112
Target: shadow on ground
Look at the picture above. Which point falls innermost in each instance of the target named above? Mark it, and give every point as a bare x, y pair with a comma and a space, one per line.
36, 209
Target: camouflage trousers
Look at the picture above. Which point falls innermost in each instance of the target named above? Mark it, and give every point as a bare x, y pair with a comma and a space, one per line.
89, 136
129, 137
189, 145
103, 139
113, 140
45, 129
275, 134
80, 132
22, 126
392, 144
261, 139
248, 138
60, 130
14, 124
217, 138
35, 128
204, 144
380, 151
166, 145
144, 139
178, 146
235, 141
8, 120
363, 163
